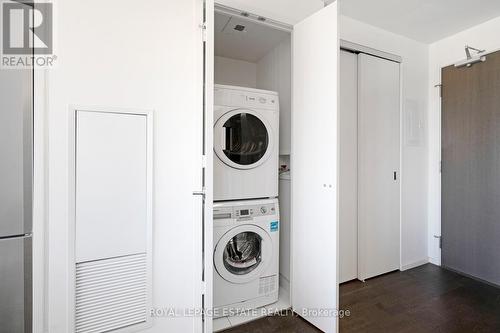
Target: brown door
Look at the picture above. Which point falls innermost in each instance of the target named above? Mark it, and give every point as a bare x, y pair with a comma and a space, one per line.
471, 169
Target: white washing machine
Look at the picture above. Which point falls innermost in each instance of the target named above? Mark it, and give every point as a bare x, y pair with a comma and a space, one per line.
246, 143
246, 255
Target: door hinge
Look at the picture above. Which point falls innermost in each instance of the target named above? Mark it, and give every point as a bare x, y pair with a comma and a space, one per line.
203, 28
203, 288
440, 240
440, 86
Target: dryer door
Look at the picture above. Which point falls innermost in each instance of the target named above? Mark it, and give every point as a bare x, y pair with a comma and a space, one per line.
243, 139
243, 253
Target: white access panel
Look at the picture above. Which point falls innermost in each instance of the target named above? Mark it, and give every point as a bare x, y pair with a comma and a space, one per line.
378, 166
348, 167
314, 281
111, 185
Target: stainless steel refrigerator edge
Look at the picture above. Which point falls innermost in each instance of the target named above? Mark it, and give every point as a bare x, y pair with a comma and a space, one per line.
16, 188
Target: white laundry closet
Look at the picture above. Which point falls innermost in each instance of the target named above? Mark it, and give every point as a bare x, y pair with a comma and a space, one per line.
258, 52
369, 185
250, 54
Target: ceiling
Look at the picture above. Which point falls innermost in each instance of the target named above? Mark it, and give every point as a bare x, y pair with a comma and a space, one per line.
422, 20
251, 44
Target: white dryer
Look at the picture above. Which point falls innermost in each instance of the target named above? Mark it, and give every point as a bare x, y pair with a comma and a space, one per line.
246, 143
246, 255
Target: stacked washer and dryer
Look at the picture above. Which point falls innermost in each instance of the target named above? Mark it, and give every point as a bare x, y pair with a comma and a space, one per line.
246, 211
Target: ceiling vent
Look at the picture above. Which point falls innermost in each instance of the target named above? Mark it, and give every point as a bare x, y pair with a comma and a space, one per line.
239, 27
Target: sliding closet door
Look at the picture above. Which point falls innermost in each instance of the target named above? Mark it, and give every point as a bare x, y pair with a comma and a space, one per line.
378, 166
348, 167
471, 169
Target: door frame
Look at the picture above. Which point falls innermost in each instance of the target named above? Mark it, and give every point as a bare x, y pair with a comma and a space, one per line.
71, 235
206, 78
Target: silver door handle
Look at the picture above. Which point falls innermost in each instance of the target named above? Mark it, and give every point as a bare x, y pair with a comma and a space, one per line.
202, 192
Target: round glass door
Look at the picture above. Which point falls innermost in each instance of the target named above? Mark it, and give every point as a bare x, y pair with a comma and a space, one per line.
242, 139
242, 253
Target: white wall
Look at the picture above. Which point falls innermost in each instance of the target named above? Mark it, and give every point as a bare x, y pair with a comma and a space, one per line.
414, 157
124, 53
441, 54
274, 72
235, 72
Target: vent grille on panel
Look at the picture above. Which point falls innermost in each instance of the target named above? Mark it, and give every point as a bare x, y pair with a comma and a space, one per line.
111, 293
267, 284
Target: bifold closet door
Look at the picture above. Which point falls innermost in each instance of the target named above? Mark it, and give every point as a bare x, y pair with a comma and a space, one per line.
378, 166
314, 278
470, 178
348, 167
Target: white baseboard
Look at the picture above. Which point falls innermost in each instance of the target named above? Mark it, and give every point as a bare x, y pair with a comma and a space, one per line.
435, 261
414, 264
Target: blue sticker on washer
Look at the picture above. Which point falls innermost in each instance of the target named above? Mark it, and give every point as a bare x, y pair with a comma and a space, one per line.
274, 226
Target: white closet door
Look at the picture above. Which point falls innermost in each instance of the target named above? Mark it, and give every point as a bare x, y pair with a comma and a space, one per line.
314, 161
379, 165
348, 167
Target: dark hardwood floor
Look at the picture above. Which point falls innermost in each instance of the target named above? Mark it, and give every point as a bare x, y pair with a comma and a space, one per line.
286, 322
424, 299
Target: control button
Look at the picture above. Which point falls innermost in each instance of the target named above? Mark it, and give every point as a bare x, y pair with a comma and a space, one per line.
262, 100
263, 210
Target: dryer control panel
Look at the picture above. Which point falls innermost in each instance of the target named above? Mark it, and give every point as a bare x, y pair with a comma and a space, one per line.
244, 212
249, 98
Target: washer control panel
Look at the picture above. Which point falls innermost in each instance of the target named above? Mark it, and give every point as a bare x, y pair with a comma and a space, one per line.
244, 212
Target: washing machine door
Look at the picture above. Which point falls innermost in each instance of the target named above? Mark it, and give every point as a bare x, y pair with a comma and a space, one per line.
243, 253
243, 139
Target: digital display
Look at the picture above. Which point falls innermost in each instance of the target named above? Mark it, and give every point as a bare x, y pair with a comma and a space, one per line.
244, 212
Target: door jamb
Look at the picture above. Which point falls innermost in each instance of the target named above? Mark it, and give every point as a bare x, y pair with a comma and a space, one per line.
207, 104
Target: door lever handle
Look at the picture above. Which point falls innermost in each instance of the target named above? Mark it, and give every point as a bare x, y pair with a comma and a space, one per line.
202, 192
